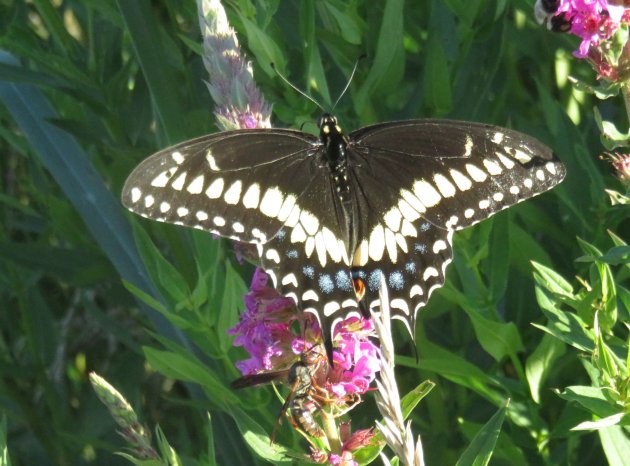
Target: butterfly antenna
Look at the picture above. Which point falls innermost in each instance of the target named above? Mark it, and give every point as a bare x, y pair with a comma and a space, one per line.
354, 70
296, 89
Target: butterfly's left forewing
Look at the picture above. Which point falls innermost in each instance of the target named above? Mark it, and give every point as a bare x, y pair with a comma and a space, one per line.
233, 184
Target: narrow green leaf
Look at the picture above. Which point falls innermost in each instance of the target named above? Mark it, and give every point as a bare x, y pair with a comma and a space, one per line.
151, 52
482, 446
257, 438
55, 26
164, 274
498, 339
263, 47
615, 419
541, 363
437, 80
593, 399
185, 367
167, 451
4, 448
231, 306
211, 455
552, 281
454, 368
412, 398
616, 444
564, 325
348, 26
617, 255
70, 167
387, 65
499, 256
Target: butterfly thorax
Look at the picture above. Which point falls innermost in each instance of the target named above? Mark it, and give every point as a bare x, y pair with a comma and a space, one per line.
335, 154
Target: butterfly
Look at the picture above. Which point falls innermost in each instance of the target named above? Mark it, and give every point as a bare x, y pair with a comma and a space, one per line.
331, 215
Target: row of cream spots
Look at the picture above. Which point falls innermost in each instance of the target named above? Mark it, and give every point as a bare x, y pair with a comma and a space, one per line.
412, 204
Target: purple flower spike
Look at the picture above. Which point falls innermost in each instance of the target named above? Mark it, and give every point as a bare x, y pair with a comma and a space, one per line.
240, 104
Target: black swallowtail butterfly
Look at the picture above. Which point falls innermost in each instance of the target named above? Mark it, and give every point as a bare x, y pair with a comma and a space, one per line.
331, 215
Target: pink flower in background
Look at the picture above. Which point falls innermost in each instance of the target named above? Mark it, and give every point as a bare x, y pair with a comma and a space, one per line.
591, 20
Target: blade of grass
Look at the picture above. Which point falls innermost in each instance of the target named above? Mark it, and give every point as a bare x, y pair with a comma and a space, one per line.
69, 165
156, 69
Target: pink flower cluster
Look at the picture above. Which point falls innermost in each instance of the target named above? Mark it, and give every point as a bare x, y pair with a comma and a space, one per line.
264, 330
591, 20
267, 333
357, 359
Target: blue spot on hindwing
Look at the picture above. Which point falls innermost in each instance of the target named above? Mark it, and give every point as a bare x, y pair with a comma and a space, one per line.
292, 254
308, 271
343, 280
426, 226
374, 280
281, 234
396, 280
326, 283
410, 267
420, 247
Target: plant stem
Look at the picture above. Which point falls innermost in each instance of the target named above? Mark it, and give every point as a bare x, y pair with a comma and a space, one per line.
332, 432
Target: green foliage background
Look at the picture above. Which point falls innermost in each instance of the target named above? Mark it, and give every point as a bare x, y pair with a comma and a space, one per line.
91, 87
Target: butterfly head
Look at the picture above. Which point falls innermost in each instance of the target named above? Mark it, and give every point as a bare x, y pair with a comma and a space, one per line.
328, 126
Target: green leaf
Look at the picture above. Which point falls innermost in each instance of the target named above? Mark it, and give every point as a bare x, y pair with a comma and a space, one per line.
616, 445
263, 47
211, 455
4, 449
348, 24
411, 399
617, 255
499, 256
615, 419
185, 367
387, 65
166, 451
164, 274
258, 439
496, 338
540, 363
593, 399
70, 167
482, 446
564, 325
231, 305
454, 368
551, 280
81, 267
151, 45
437, 79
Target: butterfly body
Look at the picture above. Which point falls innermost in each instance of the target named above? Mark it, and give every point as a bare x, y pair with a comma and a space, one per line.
332, 215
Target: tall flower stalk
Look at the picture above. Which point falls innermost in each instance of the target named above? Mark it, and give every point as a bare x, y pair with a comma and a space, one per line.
397, 434
239, 102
